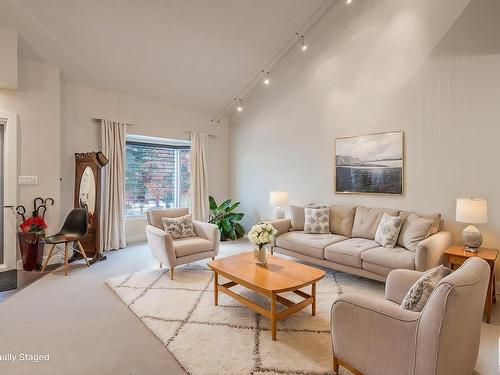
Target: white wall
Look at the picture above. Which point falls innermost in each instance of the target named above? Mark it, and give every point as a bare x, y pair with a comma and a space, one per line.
80, 104
429, 68
37, 103
8, 58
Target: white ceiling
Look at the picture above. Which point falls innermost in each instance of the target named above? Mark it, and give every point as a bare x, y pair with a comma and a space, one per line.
196, 53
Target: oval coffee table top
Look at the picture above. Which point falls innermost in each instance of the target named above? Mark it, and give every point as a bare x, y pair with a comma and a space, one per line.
278, 275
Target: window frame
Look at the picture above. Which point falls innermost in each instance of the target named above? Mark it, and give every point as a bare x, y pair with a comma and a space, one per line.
171, 144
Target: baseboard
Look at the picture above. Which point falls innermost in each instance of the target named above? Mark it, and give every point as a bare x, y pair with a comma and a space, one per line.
136, 238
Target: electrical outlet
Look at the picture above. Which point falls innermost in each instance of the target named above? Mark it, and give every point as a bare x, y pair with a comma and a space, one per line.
27, 180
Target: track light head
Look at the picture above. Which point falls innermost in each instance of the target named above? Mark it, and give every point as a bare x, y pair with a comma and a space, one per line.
239, 104
267, 78
303, 45
348, 2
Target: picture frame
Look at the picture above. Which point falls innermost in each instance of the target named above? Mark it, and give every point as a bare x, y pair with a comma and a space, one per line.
370, 164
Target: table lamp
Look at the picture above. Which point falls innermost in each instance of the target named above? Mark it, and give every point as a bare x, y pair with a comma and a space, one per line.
472, 211
277, 199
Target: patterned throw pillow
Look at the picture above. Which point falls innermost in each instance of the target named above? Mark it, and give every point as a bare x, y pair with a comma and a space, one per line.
317, 220
179, 227
388, 230
420, 292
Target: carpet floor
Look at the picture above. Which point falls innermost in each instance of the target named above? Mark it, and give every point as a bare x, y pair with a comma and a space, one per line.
229, 338
85, 329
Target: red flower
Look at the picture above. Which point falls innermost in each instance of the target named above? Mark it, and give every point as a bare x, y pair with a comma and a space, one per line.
35, 221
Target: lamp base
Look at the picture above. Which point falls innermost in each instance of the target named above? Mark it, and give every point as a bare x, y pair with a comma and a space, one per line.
278, 213
472, 238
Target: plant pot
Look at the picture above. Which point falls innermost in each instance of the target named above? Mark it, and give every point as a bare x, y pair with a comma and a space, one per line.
31, 245
261, 254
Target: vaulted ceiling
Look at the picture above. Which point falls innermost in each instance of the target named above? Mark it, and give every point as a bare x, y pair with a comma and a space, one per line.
195, 53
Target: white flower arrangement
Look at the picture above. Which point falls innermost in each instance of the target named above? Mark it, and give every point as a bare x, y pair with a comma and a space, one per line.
262, 234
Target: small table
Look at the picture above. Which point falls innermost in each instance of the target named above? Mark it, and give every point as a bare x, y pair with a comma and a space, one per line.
457, 255
277, 276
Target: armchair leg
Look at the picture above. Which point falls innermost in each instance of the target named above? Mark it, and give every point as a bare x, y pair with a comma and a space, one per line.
161, 265
171, 273
213, 258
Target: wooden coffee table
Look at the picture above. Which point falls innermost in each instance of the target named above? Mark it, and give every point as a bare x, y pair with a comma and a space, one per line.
277, 276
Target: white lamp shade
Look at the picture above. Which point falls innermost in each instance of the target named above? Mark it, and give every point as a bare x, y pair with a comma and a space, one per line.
472, 210
278, 198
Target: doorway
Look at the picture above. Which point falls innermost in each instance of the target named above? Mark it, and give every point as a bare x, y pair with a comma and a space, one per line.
8, 198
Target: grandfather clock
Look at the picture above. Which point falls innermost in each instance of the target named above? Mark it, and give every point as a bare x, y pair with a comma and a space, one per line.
88, 168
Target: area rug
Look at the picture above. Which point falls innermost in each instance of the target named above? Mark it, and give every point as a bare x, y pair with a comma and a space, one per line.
229, 338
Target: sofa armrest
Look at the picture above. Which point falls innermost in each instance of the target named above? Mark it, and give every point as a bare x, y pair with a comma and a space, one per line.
209, 232
371, 334
430, 252
281, 225
399, 283
161, 245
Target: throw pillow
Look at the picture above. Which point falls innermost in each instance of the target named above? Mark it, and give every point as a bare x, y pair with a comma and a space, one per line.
420, 292
414, 230
179, 227
297, 217
388, 230
317, 220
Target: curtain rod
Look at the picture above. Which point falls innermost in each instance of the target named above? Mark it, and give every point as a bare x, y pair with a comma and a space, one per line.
99, 120
189, 132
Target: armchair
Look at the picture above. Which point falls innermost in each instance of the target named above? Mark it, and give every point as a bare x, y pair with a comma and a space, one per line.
174, 252
378, 337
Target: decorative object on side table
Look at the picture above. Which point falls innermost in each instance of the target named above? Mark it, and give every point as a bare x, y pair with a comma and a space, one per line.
458, 254
226, 219
261, 235
472, 211
278, 199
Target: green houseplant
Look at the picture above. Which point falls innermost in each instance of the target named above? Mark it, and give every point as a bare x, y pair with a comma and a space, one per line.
226, 219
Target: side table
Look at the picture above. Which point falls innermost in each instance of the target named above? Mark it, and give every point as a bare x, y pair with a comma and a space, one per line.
457, 255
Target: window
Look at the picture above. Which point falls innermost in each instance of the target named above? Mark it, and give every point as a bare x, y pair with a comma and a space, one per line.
156, 174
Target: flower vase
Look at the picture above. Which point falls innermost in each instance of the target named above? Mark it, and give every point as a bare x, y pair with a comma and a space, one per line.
261, 253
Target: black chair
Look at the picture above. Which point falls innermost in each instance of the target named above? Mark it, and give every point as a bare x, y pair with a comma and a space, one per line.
74, 228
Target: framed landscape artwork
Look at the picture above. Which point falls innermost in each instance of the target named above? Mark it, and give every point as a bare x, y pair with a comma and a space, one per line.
370, 164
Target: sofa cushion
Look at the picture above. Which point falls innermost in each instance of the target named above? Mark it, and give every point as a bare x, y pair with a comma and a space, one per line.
308, 244
297, 217
348, 252
154, 216
191, 245
366, 221
317, 220
342, 219
388, 230
414, 230
397, 257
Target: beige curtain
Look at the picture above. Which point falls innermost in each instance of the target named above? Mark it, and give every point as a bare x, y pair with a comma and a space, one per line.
199, 177
113, 198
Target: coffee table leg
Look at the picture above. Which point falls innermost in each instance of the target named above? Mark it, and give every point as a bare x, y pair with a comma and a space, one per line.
313, 305
216, 290
273, 316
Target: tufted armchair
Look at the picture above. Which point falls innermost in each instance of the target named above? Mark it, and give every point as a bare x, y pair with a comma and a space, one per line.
378, 337
174, 252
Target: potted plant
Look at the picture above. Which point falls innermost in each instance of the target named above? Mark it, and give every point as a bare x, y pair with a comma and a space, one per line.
226, 219
261, 236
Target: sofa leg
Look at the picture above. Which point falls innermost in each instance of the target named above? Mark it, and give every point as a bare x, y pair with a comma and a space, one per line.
171, 273
161, 265
335, 366
213, 258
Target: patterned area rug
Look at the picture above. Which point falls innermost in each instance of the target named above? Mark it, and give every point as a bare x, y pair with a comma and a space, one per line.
230, 338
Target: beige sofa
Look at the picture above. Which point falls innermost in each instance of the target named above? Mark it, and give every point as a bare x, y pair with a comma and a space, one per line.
350, 245
378, 337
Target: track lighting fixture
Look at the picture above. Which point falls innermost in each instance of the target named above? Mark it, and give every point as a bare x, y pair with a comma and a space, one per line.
239, 105
267, 78
302, 41
348, 2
